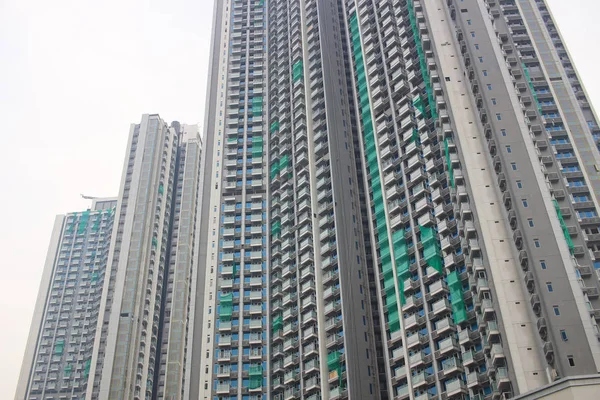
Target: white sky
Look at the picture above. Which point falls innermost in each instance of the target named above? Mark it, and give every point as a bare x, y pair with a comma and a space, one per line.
73, 75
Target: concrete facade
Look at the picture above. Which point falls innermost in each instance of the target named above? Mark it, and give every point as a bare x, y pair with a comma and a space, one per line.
429, 176
59, 349
144, 318
571, 388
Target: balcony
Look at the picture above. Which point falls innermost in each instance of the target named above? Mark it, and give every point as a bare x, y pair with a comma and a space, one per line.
397, 354
487, 308
502, 379
493, 332
451, 365
437, 288
497, 353
443, 325
472, 380
421, 379
455, 387
413, 321
415, 340
447, 345
466, 336
223, 388
402, 392
411, 303
470, 357
441, 306
417, 359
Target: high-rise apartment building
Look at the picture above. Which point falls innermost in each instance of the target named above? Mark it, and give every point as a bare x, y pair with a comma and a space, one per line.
127, 336
59, 349
401, 202
141, 342
281, 317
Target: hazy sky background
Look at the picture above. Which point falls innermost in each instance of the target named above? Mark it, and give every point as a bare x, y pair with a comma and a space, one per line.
73, 75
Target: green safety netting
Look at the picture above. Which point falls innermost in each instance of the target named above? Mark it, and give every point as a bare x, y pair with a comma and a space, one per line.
274, 126
419, 105
277, 323
422, 62
59, 347
94, 277
255, 373
564, 227
283, 162
276, 228
72, 225
257, 105
373, 167
86, 372
161, 188
97, 221
257, 146
334, 364
154, 242
68, 369
234, 270
449, 162
297, 71
431, 249
459, 310
415, 135
402, 261
226, 307
274, 170
533, 93
83, 221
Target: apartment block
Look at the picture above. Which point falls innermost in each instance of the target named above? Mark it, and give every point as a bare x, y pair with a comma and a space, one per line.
59, 349
420, 177
141, 344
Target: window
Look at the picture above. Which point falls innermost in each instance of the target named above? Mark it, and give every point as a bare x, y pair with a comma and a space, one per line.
503, 131
556, 310
476, 47
576, 182
508, 149
494, 101
543, 264
520, 184
484, 72
563, 335
472, 34
489, 86
525, 204
537, 243
513, 166
468, 22
589, 213
530, 222
480, 59
571, 361
564, 154
580, 198
549, 286
499, 116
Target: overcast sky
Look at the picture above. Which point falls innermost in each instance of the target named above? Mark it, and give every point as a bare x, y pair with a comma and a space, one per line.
73, 75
